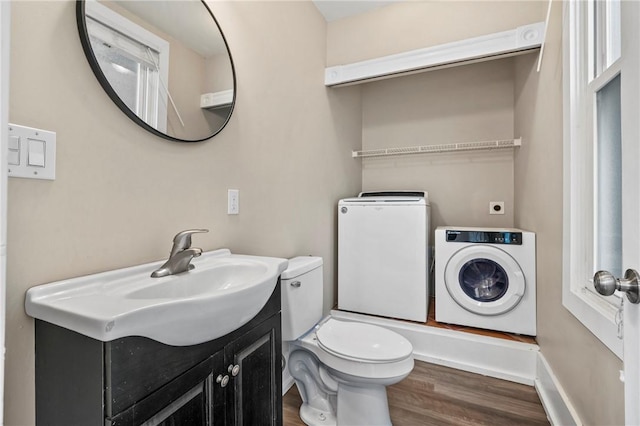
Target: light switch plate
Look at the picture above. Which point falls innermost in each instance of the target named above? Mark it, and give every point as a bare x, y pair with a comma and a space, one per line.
233, 201
34, 151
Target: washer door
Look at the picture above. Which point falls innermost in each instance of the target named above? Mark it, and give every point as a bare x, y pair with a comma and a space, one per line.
484, 279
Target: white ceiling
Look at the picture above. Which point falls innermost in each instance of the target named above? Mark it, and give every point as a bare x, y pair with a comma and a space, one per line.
186, 21
333, 10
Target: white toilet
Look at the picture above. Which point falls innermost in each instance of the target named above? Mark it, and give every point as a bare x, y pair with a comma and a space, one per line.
341, 368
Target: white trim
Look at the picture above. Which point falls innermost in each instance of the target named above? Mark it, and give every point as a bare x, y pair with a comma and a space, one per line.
5, 33
499, 358
546, 29
591, 310
556, 404
485, 47
223, 98
116, 21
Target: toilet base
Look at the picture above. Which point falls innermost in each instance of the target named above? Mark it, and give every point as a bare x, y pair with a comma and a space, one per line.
363, 406
314, 417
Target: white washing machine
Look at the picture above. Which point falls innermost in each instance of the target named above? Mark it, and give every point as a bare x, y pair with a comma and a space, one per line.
486, 278
383, 257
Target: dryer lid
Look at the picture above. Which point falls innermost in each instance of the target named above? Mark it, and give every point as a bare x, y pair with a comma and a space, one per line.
363, 342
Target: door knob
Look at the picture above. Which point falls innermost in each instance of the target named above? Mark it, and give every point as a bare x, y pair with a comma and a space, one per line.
605, 284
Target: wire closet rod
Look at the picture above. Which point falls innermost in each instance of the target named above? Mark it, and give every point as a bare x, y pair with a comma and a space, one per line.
430, 149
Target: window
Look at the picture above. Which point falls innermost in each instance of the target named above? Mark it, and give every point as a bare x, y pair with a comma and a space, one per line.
592, 162
134, 60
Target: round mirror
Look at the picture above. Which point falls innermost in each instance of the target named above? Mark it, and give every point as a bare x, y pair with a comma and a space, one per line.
166, 64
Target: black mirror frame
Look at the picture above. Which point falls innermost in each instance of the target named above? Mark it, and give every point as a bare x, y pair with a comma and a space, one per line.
97, 71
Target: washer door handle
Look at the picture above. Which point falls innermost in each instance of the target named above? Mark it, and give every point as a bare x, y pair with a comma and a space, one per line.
606, 284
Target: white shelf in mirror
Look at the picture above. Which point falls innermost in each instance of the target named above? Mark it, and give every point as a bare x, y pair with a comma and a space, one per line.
506, 43
432, 149
220, 99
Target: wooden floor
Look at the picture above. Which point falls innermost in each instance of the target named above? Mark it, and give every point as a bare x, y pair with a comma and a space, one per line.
436, 395
431, 322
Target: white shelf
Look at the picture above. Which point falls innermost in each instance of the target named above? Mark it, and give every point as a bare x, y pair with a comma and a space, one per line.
214, 100
506, 43
432, 149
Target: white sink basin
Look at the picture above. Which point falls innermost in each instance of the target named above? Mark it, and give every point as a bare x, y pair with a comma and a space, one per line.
220, 295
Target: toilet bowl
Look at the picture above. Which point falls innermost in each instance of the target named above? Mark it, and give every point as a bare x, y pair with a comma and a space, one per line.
341, 368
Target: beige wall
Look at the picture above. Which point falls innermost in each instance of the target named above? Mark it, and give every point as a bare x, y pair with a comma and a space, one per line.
587, 370
121, 193
187, 73
218, 73
463, 104
416, 24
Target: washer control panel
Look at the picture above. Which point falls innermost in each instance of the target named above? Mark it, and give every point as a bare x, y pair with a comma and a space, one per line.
486, 237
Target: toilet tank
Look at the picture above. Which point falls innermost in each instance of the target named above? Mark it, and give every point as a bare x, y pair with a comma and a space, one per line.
301, 296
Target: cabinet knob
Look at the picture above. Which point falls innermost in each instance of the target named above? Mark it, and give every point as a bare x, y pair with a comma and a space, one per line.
234, 369
223, 380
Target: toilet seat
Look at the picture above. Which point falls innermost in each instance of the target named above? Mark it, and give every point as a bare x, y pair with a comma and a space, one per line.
362, 342
361, 370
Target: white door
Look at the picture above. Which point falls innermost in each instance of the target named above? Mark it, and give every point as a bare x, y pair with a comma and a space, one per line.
630, 132
630, 91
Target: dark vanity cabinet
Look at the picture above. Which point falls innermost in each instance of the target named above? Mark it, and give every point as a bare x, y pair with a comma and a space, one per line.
233, 380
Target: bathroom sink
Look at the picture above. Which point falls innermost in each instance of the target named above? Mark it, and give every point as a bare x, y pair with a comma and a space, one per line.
224, 277
222, 293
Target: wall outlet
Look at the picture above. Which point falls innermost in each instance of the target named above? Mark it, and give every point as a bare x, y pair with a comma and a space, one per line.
233, 201
496, 207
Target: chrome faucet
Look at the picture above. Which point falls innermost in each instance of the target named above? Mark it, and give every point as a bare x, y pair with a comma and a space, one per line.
181, 254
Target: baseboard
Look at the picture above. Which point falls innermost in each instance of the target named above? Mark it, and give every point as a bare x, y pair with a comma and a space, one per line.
503, 359
554, 400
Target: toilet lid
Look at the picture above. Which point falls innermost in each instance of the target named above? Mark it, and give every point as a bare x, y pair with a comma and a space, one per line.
362, 341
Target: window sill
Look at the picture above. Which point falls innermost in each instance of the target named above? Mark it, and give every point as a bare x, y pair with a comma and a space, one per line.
595, 314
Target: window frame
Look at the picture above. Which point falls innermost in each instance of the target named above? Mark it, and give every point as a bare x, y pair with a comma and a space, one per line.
595, 312
111, 19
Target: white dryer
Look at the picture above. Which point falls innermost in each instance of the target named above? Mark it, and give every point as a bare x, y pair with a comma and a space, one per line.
486, 278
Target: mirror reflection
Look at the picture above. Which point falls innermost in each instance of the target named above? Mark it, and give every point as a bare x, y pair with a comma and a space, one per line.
166, 64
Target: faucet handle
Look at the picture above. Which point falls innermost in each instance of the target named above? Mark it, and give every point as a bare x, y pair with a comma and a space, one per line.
182, 240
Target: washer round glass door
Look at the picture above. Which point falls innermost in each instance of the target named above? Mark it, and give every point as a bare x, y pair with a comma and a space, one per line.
484, 279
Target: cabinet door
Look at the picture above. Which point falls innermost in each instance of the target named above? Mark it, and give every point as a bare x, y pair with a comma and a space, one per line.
254, 396
193, 399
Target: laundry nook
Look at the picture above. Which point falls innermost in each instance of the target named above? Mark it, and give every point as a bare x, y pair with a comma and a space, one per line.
319, 212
